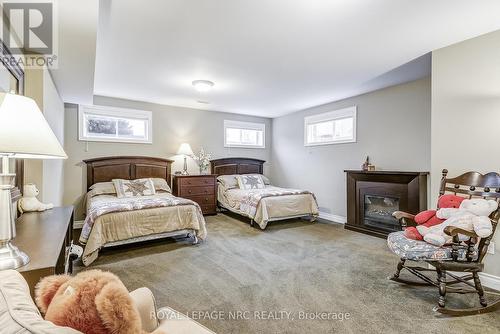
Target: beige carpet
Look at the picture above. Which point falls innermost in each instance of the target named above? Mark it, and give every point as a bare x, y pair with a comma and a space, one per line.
277, 276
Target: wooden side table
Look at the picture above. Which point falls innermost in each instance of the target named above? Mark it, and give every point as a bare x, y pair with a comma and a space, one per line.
200, 188
45, 237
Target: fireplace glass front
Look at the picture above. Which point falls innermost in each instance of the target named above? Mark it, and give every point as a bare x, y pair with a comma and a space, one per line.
378, 212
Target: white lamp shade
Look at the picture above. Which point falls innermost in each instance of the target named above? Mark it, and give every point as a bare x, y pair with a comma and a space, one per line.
24, 132
185, 149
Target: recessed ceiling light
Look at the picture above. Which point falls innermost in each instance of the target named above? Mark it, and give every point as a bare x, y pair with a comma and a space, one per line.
202, 85
203, 102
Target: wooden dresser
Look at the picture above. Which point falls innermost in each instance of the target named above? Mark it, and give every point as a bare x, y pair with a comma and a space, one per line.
200, 188
44, 236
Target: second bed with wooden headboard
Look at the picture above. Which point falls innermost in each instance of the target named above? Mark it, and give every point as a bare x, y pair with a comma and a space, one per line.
113, 220
260, 205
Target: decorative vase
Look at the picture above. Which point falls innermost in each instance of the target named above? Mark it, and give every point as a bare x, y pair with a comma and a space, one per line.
203, 170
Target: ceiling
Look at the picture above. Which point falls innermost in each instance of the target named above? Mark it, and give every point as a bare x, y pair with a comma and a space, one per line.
267, 58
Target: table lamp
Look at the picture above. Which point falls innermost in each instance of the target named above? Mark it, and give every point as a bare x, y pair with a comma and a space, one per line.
24, 134
185, 150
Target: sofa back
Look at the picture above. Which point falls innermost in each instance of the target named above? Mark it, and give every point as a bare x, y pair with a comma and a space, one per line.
18, 312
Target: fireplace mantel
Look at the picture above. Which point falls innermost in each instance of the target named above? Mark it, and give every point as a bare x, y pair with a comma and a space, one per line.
384, 172
372, 196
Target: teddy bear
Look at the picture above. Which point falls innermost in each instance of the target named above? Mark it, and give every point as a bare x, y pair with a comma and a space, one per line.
472, 215
29, 202
93, 301
428, 218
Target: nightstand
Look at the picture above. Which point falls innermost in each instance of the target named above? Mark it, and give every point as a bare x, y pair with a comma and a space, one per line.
200, 188
45, 237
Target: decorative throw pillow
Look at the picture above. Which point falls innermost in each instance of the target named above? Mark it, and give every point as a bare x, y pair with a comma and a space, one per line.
132, 188
248, 182
161, 184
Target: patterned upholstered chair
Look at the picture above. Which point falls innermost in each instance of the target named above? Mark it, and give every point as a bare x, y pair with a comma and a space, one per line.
460, 261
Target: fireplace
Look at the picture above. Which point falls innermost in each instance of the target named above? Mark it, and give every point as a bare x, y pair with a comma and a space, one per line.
378, 212
373, 196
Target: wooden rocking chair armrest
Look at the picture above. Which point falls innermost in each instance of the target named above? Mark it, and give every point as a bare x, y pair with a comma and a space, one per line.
405, 219
400, 215
454, 231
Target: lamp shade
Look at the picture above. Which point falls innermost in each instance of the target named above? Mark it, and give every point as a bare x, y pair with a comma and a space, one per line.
185, 149
24, 132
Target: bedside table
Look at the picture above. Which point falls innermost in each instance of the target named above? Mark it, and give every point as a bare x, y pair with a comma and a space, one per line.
200, 188
45, 237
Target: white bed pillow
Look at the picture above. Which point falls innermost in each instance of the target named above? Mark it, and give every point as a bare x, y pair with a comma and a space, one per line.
264, 178
101, 188
231, 181
161, 185
248, 182
228, 181
133, 188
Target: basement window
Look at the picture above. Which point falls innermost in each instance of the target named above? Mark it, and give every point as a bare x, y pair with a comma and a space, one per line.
106, 124
334, 127
244, 134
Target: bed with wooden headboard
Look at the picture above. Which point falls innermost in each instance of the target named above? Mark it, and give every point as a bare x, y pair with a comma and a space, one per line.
229, 166
126, 227
106, 169
271, 208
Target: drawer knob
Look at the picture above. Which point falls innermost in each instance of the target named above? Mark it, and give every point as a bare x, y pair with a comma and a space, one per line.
190, 191
206, 199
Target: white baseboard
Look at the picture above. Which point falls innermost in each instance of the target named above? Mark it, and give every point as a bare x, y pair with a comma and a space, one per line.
490, 281
487, 280
333, 218
77, 224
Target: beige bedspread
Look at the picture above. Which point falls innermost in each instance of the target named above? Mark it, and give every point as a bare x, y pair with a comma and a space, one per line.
117, 226
269, 208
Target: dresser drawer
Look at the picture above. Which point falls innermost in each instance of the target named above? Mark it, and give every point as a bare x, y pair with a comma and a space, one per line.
197, 181
202, 200
209, 209
195, 190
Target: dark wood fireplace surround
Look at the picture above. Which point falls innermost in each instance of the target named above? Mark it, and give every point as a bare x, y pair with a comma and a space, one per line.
403, 191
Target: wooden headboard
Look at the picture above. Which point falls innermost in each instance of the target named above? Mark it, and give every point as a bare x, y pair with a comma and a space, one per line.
129, 168
228, 166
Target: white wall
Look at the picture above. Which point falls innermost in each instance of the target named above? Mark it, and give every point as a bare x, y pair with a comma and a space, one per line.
53, 110
466, 114
171, 127
393, 129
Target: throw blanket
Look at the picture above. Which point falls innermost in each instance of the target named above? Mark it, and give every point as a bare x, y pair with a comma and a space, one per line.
251, 200
100, 208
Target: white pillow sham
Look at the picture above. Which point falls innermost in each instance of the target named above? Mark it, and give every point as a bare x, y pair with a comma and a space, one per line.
101, 188
133, 188
231, 181
248, 182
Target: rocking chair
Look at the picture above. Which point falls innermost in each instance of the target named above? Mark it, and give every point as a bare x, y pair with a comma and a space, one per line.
462, 257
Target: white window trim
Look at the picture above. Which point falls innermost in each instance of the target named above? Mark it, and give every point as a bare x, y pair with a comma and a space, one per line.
115, 112
247, 126
332, 116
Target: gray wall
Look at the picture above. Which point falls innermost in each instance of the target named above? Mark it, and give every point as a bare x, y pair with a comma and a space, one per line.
393, 129
53, 170
171, 127
466, 106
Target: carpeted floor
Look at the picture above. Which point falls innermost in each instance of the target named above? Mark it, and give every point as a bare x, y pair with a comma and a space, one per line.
277, 276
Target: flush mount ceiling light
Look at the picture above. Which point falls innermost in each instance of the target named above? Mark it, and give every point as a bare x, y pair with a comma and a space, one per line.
202, 85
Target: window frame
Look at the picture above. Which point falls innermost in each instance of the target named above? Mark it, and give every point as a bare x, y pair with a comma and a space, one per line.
124, 113
244, 126
349, 112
